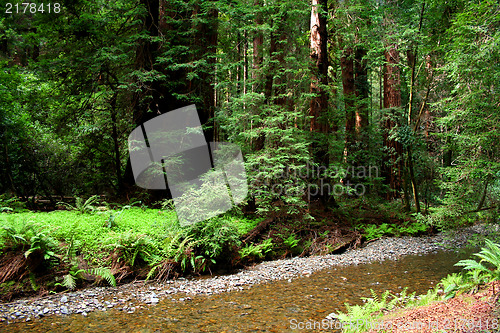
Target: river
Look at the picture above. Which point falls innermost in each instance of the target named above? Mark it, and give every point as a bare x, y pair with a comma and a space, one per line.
278, 306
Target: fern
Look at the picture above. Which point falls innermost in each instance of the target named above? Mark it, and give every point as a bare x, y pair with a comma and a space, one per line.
69, 282
104, 273
489, 255
80, 206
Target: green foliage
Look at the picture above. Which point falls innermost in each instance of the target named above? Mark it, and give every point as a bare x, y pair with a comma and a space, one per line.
413, 228
132, 246
252, 251
34, 286
291, 242
82, 206
70, 280
455, 283
41, 242
358, 318
111, 222
29, 238
11, 205
488, 267
372, 231
470, 110
213, 236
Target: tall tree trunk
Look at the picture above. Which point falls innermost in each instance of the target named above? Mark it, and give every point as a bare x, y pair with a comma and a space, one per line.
205, 38
320, 126
412, 55
116, 144
268, 88
145, 59
412, 61
258, 43
362, 94
239, 70
257, 60
392, 167
349, 89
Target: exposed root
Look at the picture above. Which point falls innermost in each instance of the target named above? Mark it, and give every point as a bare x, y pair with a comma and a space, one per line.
12, 266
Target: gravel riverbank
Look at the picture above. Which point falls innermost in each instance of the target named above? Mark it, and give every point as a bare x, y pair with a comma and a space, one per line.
130, 297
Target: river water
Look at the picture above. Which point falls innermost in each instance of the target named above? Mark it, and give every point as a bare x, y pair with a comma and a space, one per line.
278, 306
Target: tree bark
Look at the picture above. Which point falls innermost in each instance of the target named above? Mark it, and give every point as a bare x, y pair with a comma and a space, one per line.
362, 94
319, 126
349, 89
206, 39
258, 42
392, 168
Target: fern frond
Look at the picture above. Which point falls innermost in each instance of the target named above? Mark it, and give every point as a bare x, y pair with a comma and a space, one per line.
69, 281
471, 264
104, 273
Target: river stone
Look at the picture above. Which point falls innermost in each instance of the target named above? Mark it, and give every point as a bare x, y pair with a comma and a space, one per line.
332, 316
64, 310
64, 299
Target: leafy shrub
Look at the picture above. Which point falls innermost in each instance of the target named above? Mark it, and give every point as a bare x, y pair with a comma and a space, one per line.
174, 249
413, 228
112, 220
291, 242
358, 318
213, 236
372, 231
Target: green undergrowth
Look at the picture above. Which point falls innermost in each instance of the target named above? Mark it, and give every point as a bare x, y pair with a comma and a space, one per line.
407, 228
88, 244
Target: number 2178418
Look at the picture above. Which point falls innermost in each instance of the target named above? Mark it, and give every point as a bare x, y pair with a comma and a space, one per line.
33, 8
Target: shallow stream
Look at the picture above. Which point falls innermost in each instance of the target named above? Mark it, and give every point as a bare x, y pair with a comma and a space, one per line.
272, 307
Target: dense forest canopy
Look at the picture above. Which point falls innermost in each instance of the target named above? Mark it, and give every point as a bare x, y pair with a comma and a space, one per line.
328, 100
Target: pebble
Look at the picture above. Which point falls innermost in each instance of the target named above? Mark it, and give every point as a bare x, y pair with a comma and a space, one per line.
132, 295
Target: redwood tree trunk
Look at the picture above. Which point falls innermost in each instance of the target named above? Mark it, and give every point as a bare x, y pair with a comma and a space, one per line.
320, 126
392, 167
258, 42
347, 67
205, 39
362, 93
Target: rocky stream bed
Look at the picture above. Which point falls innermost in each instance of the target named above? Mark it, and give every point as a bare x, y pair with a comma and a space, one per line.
139, 294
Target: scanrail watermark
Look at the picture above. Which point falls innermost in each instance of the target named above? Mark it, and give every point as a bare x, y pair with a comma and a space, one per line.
445, 324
